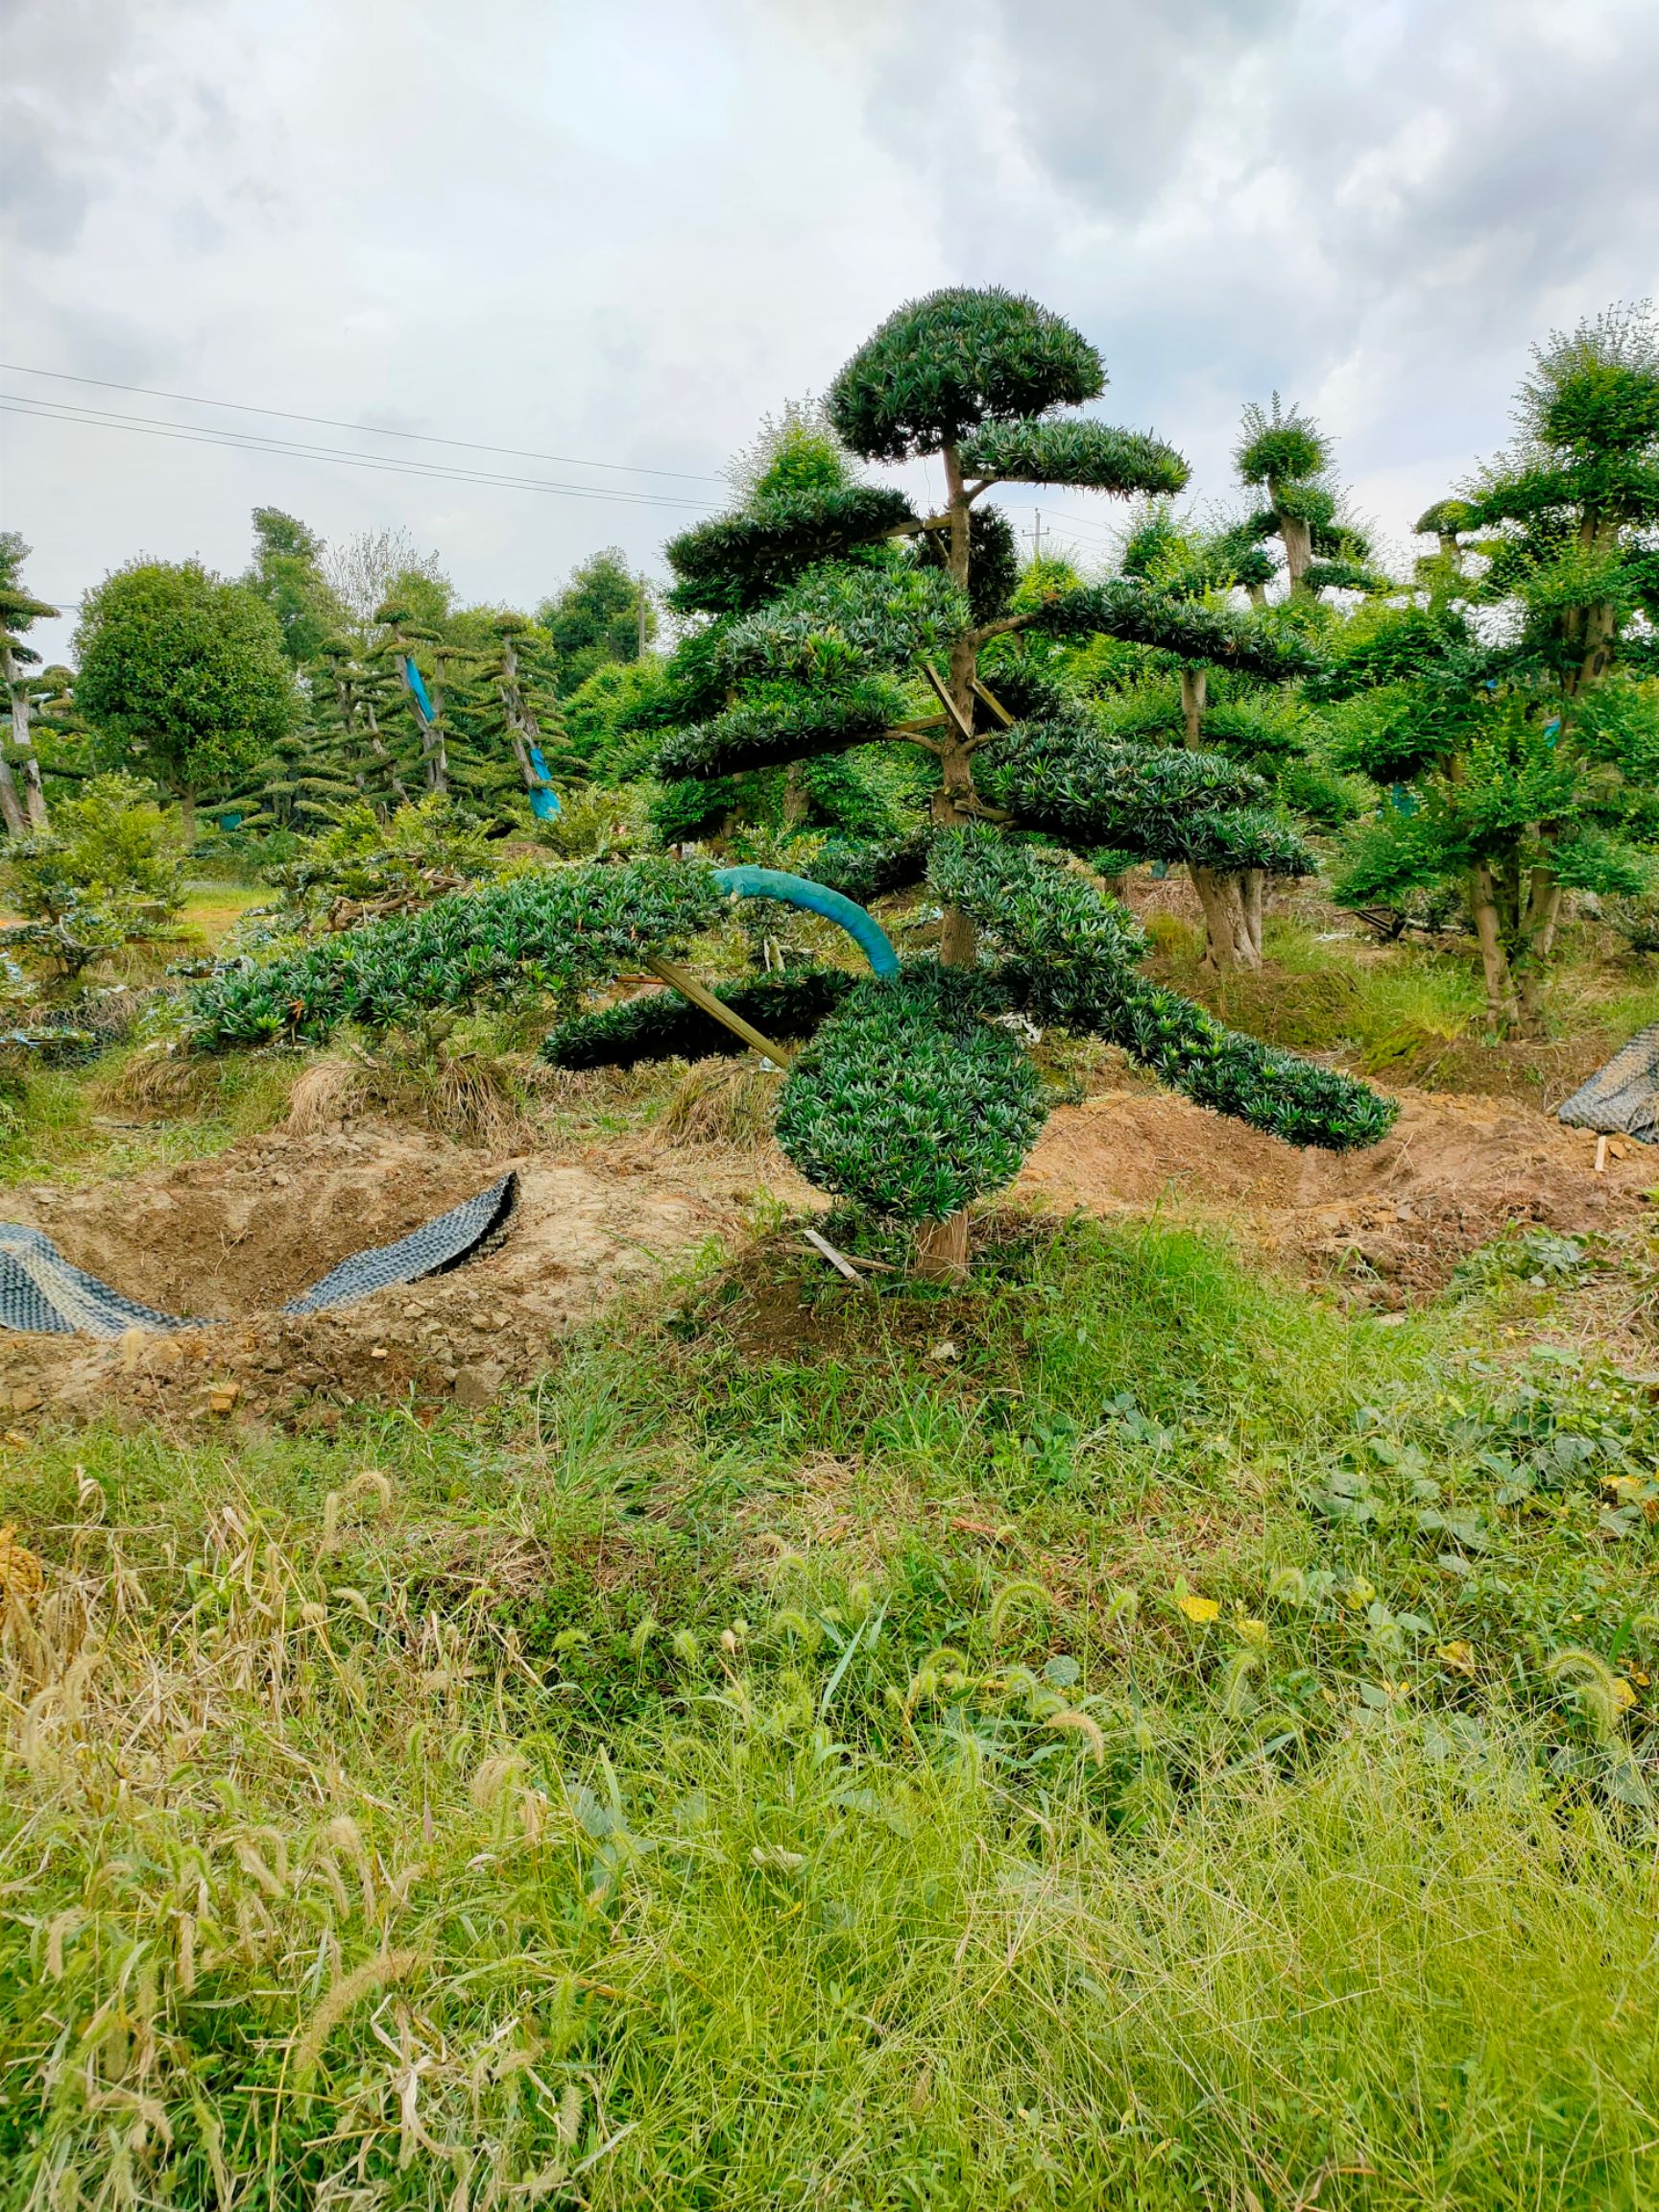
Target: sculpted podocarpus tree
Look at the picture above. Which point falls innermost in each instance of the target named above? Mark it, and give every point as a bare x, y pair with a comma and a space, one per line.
828, 617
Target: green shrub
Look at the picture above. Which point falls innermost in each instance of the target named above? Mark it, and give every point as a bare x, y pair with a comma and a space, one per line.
368, 862
909, 1100
110, 874
556, 932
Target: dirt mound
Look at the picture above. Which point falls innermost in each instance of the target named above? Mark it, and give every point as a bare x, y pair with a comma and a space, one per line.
1454, 1172
233, 1238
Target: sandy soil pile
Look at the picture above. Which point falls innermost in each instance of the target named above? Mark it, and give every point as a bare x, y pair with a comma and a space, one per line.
1453, 1173
234, 1236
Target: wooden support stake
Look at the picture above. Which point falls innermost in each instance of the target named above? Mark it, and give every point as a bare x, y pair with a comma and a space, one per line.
996, 705
683, 980
837, 1259
1601, 1155
965, 728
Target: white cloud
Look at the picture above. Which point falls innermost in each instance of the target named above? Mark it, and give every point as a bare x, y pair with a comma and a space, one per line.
626, 233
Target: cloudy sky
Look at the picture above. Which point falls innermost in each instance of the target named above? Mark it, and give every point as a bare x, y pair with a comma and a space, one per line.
620, 234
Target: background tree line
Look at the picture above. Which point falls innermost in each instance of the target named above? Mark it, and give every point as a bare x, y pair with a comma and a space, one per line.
1472, 740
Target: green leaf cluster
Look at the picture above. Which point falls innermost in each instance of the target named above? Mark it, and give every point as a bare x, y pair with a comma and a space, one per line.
1070, 951
939, 367
1160, 805
910, 1101
737, 562
1203, 636
1093, 456
183, 675
556, 932
785, 725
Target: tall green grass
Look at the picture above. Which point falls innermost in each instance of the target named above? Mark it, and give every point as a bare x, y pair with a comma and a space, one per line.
1176, 1746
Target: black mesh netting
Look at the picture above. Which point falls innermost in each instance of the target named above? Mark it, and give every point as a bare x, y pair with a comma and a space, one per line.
42, 1293
433, 1249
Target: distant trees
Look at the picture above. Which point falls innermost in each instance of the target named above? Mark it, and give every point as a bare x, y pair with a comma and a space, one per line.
287, 573
603, 614
184, 677
370, 567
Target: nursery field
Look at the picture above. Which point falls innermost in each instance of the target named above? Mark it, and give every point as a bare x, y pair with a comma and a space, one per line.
806, 1398
1166, 1721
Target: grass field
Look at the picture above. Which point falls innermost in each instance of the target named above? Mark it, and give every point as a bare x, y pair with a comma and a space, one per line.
1127, 1734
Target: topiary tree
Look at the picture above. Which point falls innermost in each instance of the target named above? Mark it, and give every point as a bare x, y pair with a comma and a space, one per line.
827, 619
22, 794
1285, 454
835, 618
1521, 756
287, 573
182, 676
1251, 715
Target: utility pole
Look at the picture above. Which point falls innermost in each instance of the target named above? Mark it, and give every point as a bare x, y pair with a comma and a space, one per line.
644, 614
1037, 534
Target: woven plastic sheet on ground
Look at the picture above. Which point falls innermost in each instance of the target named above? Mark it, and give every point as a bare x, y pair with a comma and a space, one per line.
42, 1293
1622, 1099
433, 1249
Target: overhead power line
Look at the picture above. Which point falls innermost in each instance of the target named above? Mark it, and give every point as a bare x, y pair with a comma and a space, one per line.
237, 441
364, 429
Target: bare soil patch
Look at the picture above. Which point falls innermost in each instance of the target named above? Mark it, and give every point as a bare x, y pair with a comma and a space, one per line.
1452, 1175
233, 1238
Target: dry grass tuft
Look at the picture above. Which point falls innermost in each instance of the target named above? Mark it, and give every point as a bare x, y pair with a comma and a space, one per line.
160, 1078
726, 1102
326, 1092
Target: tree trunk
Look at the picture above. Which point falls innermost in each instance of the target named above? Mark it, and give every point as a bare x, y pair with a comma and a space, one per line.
1232, 903
941, 1250
1535, 938
1229, 940
1501, 1010
12, 812
1252, 884
1298, 542
1194, 695
187, 819
1600, 630
23, 747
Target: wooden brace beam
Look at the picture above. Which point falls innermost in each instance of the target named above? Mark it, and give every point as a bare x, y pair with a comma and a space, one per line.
683, 980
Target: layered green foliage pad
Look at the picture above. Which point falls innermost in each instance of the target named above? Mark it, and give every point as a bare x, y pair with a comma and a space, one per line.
1203, 636
1156, 804
1069, 953
940, 367
910, 1101
736, 561
1090, 455
558, 931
